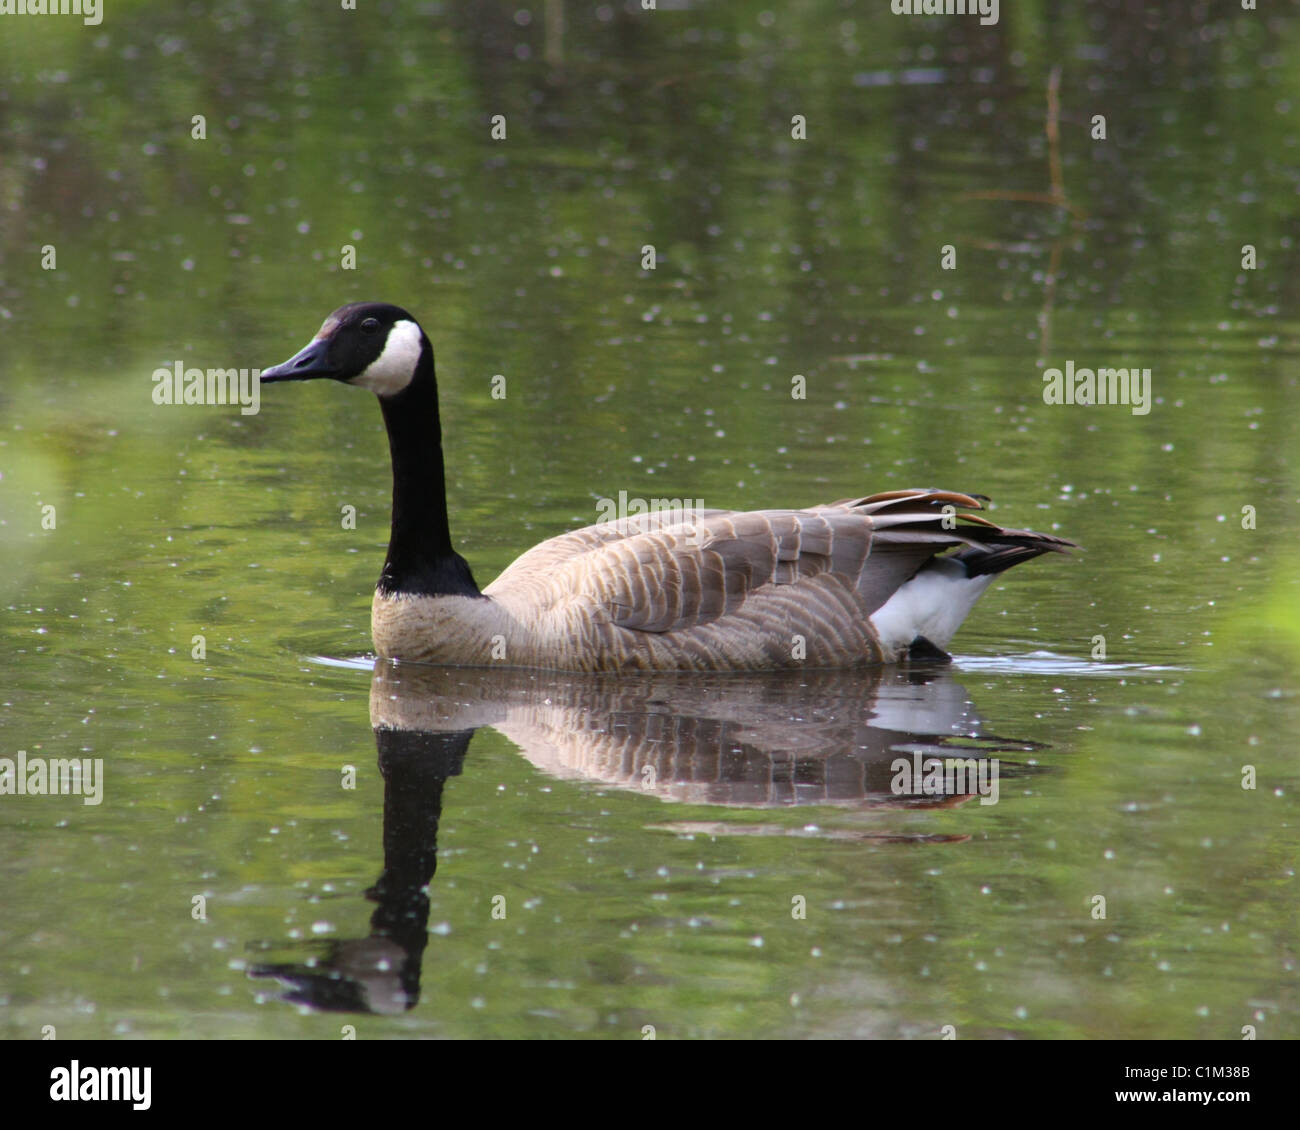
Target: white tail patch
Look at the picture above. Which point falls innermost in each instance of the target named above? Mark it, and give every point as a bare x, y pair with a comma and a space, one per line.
393, 369
932, 604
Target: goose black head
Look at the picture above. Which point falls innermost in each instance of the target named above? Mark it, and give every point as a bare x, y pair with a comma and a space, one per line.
369, 344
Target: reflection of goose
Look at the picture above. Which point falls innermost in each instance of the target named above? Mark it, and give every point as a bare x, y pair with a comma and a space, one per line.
777, 739
851, 582
756, 741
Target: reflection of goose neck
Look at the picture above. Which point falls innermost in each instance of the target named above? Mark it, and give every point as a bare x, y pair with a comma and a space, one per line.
415, 766
380, 973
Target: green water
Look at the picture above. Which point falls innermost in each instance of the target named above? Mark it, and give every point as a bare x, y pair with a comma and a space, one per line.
628, 901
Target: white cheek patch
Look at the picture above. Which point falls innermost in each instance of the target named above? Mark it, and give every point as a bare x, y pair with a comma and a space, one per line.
393, 369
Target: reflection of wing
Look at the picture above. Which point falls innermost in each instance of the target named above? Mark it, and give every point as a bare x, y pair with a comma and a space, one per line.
827, 737
721, 589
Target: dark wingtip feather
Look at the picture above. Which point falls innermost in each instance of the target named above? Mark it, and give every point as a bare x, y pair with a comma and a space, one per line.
1007, 548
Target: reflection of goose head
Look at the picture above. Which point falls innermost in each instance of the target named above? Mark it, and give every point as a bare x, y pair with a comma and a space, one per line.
370, 974
816, 737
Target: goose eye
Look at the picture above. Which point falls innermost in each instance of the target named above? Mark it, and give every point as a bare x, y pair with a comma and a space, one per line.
370, 325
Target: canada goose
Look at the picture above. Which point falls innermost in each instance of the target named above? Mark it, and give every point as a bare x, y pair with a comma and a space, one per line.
855, 581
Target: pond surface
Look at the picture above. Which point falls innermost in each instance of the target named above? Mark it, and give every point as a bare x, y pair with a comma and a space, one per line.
711, 858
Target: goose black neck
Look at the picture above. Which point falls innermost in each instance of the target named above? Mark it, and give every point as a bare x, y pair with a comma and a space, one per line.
421, 561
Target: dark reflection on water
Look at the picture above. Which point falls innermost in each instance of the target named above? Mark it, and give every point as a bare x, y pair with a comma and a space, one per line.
865, 739
381, 972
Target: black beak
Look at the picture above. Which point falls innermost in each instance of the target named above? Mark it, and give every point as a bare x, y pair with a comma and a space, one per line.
308, 363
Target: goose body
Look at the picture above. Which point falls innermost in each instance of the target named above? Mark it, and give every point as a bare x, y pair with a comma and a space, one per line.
865, 580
